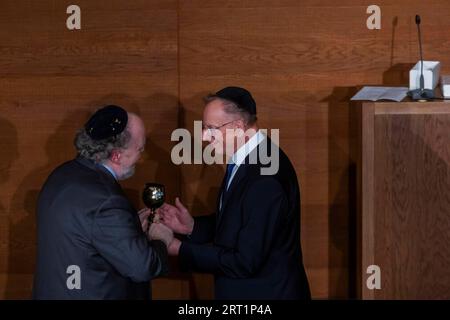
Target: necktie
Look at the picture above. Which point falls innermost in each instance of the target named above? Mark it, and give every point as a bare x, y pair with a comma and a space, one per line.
230, 168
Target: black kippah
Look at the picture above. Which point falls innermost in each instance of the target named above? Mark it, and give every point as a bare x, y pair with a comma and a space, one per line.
106, 122
241, 97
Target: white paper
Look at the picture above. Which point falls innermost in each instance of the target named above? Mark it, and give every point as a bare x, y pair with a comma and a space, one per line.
431, 71
446, 86
381, 93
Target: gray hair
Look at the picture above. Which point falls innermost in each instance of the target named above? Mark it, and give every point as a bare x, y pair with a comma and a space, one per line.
100, 150
232, 108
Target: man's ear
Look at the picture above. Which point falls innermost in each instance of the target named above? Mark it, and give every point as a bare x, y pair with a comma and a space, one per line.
115, 156
240, 124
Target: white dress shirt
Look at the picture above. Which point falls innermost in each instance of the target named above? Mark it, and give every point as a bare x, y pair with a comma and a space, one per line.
242, 153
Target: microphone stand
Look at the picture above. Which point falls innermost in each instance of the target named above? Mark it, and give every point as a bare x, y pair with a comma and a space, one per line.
421, 94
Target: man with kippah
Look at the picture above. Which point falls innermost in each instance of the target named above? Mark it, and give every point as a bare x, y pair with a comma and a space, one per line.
252, 242
92, 244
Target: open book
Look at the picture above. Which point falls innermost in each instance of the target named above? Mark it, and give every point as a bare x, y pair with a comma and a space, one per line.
381, 93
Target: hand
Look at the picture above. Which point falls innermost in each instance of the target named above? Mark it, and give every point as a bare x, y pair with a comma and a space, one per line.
158, 231
143, 217
174, 247
176, 217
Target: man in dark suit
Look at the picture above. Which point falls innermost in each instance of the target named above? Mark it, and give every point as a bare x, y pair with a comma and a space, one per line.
91, 242
252, 243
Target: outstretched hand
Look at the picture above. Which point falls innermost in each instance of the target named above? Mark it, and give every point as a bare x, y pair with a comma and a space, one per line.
176, 217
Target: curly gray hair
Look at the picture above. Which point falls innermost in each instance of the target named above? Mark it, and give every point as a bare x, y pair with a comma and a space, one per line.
100, 151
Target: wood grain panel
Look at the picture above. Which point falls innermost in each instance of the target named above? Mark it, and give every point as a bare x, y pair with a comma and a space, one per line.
412, 205
51, 80
44, 123
302, 60
116, 38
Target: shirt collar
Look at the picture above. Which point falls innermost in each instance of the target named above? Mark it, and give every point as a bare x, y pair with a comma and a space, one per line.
110, 170
242, 153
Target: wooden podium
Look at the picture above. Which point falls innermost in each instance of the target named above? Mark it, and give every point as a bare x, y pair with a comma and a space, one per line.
403, 223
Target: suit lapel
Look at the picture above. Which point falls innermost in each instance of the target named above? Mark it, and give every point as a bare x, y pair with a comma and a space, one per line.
219, 196
238, 177
220, 200
226, 194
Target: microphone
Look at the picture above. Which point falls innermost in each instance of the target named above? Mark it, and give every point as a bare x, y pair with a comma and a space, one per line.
421, 94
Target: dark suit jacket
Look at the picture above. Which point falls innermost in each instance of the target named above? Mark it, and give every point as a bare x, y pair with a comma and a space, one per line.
84, 219
255, 251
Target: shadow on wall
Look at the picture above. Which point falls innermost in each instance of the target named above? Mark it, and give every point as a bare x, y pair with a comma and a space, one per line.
200, 184
204, 179
342, 134
397, 75
9, 148
22, 224
342, 184
9, 154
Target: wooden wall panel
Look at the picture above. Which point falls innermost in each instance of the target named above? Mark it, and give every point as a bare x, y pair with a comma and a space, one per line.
302, 60
405, 201
51, 79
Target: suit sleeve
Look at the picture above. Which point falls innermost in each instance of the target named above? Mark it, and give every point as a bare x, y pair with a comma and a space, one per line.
120, 240
204, 229
263, 205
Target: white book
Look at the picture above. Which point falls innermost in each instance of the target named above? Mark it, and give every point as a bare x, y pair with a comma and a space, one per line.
381, 93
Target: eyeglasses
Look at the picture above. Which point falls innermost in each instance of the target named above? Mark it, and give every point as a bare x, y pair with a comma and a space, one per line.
216, 128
